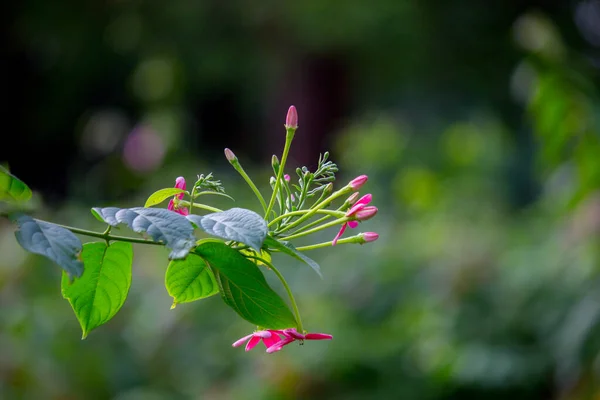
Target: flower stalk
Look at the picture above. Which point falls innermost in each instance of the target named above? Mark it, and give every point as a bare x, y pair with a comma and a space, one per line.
233, 160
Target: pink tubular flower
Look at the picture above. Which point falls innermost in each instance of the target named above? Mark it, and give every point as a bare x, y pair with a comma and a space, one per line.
268, 337
360, 211
291, 119
357, 182
179, 184
274, 340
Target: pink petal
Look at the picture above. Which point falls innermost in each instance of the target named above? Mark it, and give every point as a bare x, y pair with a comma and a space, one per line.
263, 334
180, 183
171, 205
270, 341
352, 224
366, 199
252, 342
293, 333
239, 342
354, 209
279, 345
339, 235
184, 211
318, 336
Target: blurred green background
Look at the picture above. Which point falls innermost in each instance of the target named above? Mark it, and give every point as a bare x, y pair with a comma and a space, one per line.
478, 123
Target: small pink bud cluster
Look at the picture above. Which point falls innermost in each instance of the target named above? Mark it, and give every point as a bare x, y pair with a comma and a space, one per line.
360, 211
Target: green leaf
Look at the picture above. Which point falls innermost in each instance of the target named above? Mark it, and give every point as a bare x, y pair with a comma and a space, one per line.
237, 224
290, 250
162, 225
102, 289
49, 240
12, 188
190, 279
244, 288
161, 195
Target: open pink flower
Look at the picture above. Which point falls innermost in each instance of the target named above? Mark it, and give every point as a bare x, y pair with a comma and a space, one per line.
360, 211
269, 338
179, 184
274, 340
291, 335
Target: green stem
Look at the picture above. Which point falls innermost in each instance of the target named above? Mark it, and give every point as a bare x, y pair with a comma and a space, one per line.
201, 206
287, 289
321, 220
317, 207
289, 136
238, 167
330, 213
317, 222
317, 229
192, 197
326, 244
107, 237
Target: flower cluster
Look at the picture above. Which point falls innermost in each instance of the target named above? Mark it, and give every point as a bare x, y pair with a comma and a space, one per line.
290, 214
359, 212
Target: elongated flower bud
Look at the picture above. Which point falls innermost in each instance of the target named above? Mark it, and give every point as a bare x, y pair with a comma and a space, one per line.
366, 213
357, 182
291, 120
275, 161
180, 184
370, 236
230, 156
352, 199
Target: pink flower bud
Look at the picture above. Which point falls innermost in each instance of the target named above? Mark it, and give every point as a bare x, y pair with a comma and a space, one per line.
291, 120
370, 236
366, 213
286, 177
180, 184
230, 156
357, 182
352, 199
